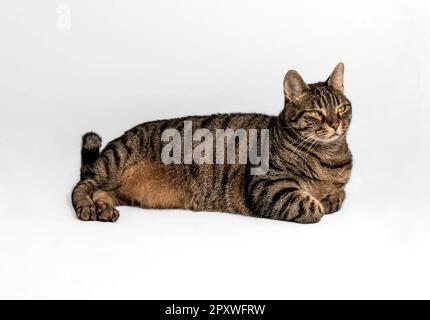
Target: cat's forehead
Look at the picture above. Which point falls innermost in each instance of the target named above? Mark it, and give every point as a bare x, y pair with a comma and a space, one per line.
323, 96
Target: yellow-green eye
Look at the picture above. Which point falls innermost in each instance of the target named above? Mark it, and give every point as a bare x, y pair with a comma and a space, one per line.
341, 109
315, 114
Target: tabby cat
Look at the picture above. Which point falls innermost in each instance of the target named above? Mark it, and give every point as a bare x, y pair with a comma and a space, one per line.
309, 163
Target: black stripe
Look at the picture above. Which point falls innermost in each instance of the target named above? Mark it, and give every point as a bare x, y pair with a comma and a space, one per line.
319, 103
332, 100
106, 161
249, 121
225, 122
280, 193
214, 175
324, 98
336, 165
224, 179
151, 136
116, 155
206, 121
124, 141
297, 116
329, 205
302, 210
264, 189
158, 142
291, 199
246, 184
278, 196
163, 127
193, 169
312, 207
254, 181
260, 197
134, 130
179, 125
330, 165
336, 99
272, 122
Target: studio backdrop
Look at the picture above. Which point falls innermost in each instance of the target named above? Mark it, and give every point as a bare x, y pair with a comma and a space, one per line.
69, 67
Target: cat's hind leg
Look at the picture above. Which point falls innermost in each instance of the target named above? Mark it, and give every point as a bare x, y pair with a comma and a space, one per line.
92, 204
82, 202
98, 171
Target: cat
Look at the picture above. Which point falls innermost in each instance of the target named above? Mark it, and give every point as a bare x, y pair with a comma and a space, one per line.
309, 162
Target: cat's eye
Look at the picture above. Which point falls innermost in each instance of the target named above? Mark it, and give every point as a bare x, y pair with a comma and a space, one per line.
315, 114
341, 109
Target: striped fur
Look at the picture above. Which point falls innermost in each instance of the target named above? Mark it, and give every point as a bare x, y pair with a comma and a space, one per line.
309, 168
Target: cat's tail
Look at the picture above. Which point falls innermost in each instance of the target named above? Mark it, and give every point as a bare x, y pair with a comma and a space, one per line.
90, 152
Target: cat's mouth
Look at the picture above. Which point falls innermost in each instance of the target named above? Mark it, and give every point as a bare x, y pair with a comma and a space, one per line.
327, 135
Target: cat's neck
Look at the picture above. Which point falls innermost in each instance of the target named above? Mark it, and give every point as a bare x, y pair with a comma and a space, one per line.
338, 146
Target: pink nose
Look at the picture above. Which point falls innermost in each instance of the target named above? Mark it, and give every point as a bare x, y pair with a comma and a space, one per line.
334, 124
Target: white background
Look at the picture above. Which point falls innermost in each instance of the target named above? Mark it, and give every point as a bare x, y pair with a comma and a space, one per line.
125, 62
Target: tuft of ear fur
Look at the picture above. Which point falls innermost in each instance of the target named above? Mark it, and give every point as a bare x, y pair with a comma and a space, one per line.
294, 86
336, 78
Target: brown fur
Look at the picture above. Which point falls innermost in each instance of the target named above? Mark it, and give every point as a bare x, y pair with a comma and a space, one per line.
149, 185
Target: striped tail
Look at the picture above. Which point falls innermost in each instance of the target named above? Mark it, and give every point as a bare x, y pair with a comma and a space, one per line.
90, 152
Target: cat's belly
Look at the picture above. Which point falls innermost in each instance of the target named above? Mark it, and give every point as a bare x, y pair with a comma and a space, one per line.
152, 185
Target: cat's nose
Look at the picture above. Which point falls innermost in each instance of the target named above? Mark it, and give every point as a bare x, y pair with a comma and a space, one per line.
334, 124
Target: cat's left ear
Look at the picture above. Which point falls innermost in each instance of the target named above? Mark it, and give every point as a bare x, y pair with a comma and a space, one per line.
336, 78
294, 86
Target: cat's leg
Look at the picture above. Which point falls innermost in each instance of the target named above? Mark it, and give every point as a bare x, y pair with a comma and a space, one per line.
90, 197
92, 203
298, 206
82, 202
333, 202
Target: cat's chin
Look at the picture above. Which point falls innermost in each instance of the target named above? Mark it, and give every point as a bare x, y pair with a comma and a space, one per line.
333, 138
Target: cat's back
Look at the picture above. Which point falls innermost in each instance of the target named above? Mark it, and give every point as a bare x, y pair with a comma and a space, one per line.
210, 122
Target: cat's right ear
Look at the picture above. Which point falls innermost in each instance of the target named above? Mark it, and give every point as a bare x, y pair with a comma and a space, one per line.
294, 86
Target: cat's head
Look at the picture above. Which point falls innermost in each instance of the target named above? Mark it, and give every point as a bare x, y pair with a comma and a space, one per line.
317, 112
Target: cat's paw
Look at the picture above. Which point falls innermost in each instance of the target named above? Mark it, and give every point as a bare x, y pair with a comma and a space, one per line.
307, 209
86, 210
333, 202
106, 212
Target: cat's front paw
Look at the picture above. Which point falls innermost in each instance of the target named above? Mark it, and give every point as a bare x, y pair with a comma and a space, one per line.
304, 208
333, 202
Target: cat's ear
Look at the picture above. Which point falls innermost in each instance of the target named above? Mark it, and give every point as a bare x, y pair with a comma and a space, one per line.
294, 86
336, 78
